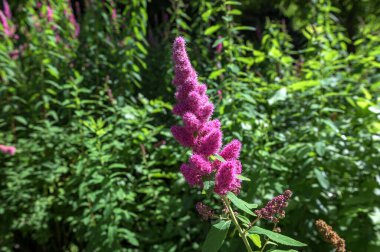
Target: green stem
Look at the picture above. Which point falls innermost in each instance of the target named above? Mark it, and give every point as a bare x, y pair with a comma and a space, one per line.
267, 240
251, 225
265, 244
246, 243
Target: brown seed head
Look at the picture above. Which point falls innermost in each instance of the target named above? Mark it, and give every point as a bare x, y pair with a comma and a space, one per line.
330, 236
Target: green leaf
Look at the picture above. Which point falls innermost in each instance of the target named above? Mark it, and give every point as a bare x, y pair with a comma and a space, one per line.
142, 48
212, 29
216, 236
233, 68
219, 157
53, 71
243, 219
244, 28
129, 236
331, 125
235, 12
118, 166
322, 178
206, 15
21, 120
280, 95
241, 204
232, 3
301, 85
215, 74
256, 239
218, 41
280, 250
320, 148
241, 177
282, 239
375, 109
208, 186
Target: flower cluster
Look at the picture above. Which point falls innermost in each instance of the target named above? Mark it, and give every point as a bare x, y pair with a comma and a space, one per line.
199, 132
70, 15
274, 209
11, 150
204, 211
330, 236
5, 18
219, 47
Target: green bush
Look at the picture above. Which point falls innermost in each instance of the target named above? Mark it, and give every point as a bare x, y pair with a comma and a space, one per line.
96, 168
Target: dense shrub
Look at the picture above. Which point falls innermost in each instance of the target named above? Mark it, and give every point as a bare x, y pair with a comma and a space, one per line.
96, 167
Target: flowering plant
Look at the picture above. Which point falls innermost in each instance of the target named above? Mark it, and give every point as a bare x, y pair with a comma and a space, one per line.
11, 150
211, 166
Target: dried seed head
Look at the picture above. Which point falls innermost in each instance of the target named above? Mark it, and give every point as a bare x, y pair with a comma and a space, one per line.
330, 236
204, 211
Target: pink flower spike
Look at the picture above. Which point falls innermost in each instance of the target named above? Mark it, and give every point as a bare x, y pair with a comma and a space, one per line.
194, 101
114, 14
75, 24
182, 66
231, 150
191, 121
183, 136
209, 126
179, 109
191, 177
202, 88
201, 164
49, 14
238, 167
185, 88
57, 38
206, 112
7, 9
210, 144
225, 180
11, 150
219, 47
200, 133
4, 23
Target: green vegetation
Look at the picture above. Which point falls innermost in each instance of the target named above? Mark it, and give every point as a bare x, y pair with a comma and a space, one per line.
96, 167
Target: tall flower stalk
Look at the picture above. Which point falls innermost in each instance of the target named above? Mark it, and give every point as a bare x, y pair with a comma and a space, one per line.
199, 132
202, 134
5, 19
208, 160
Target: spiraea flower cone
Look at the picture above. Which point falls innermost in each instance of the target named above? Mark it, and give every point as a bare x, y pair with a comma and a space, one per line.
199, 132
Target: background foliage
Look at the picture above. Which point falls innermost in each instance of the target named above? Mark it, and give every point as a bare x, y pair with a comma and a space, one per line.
97, 168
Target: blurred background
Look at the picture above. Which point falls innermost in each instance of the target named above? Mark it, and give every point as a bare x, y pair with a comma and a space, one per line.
86, 98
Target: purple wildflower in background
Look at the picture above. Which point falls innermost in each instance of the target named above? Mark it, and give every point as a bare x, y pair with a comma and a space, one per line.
114, 14
49, 14
199, 132
220, 94
7, 9
74, 22
9, 29
274, 209
11, 150
4, 23
219, 47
